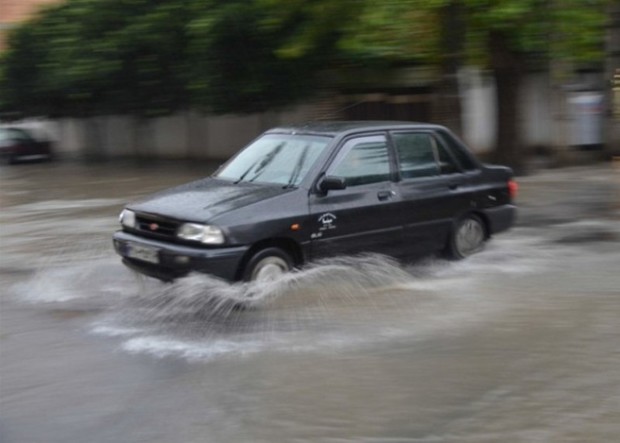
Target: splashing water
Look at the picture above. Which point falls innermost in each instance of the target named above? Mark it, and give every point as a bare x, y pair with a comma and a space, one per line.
325, 284
334, 303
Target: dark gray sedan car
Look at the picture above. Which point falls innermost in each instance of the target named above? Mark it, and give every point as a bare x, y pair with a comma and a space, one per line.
18, 144
301, 193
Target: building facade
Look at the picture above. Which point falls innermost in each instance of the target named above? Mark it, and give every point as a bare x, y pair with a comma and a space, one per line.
12, 12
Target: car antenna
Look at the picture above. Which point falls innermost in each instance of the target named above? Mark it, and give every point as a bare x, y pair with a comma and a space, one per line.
331, 114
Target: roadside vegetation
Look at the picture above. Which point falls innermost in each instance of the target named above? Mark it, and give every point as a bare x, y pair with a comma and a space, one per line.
84, 58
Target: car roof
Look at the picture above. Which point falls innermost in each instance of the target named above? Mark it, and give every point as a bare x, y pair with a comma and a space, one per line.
334, 128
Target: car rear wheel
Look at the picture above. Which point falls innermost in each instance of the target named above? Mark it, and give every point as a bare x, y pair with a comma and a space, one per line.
267, 265
467, 238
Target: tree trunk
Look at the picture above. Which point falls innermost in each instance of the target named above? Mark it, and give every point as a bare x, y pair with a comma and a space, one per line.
448, 110
612, 75
507, 68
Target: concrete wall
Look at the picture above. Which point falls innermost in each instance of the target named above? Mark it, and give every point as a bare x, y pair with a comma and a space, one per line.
185, 135
192, 135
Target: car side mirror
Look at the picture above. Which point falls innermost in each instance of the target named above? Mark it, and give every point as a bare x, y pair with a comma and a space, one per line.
332, 183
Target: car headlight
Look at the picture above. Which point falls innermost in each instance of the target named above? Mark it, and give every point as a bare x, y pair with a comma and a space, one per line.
127, 218
210, 235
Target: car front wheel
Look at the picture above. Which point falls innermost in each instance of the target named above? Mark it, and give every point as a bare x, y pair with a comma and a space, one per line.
467, 238
7, 159
268, 264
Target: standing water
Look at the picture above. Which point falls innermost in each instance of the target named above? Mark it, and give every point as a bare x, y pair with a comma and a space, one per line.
519, 343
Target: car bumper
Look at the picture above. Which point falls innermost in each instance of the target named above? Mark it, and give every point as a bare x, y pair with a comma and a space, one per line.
501, 218
168, 261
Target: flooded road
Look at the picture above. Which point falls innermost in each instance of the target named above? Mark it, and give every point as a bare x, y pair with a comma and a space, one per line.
520, 343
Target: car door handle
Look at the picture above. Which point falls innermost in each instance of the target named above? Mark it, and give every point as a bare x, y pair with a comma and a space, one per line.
454, 185
385, 195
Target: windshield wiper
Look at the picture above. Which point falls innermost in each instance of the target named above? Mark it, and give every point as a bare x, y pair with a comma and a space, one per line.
240, 179
298, 166
263, 164
266, 161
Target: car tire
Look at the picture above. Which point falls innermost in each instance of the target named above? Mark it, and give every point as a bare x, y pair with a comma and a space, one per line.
467, 237
267, 264
7, 159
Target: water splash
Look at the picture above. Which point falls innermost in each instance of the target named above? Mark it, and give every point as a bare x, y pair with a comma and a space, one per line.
337, 303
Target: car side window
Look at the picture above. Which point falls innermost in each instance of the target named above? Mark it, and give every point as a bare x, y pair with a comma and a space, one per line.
420, 155
458, 151
362, 161
447, 165
416, 155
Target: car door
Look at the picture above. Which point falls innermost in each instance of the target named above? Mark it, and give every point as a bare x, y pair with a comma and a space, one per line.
434, 189
363, 217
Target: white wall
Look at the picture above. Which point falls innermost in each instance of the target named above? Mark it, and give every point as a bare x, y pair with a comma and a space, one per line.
480, 107
184, 135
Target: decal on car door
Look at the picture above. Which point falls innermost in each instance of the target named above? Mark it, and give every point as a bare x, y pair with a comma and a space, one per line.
327, 221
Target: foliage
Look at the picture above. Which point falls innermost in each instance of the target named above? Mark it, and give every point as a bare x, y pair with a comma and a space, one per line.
88, 57
149, 58
153, 57
235, 65
569, 30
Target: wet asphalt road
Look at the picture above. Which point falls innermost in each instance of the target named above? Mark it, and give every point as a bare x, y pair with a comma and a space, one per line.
520, 343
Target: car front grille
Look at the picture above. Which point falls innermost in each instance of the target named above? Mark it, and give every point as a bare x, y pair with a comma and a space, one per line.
156, 226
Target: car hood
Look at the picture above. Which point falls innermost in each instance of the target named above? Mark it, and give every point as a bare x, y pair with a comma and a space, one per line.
205, 199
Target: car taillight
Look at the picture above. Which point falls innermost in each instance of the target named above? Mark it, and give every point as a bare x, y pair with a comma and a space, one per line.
513, 188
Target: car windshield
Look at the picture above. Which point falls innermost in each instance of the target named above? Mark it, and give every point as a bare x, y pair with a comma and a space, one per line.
282, 159
14, 134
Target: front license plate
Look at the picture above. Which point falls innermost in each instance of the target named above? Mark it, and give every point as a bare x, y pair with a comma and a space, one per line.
144, 253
